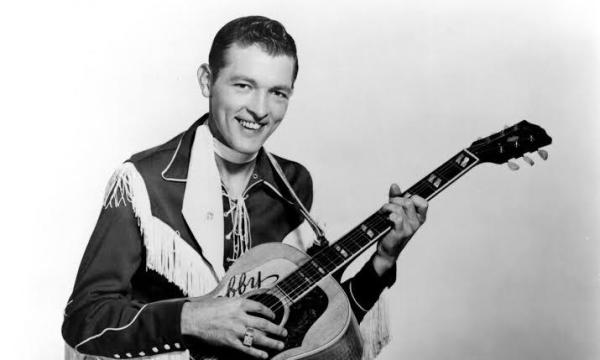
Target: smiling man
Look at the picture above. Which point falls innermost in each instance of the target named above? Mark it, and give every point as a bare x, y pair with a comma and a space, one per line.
177, 216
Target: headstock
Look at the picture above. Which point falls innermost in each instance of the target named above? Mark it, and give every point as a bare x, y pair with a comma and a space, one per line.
511, 143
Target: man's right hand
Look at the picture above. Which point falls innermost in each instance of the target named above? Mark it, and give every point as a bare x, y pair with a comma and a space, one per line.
223, 322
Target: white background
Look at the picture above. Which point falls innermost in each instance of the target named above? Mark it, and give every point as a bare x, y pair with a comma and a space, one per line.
507, 266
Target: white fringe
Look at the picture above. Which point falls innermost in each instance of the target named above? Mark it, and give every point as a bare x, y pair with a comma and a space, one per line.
166, 252
375, 329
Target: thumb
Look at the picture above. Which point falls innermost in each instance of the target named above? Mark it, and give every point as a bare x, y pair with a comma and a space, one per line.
395, 191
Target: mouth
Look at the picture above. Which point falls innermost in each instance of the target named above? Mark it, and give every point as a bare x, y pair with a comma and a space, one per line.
250, 125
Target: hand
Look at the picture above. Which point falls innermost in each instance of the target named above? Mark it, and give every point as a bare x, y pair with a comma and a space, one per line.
407, 215
223, 322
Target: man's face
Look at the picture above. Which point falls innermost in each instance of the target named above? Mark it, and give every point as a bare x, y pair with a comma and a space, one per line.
249, 97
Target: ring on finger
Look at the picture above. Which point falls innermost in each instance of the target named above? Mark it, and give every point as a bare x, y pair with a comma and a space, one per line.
248, 337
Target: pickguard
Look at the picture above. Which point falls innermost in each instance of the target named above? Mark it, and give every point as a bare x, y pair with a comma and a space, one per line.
303, 314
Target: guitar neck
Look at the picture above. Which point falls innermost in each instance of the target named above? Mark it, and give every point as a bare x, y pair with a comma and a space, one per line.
357, 240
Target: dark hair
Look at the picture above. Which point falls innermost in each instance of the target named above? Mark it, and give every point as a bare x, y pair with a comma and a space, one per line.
269, 34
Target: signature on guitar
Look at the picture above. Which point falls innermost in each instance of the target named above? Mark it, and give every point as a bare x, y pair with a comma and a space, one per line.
246, 281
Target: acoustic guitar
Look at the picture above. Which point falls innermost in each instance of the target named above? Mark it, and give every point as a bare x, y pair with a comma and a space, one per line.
300, 290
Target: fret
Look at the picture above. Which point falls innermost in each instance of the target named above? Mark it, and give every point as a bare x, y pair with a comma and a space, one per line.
348, 243
318, 267
452, 169
311, 273
323, 259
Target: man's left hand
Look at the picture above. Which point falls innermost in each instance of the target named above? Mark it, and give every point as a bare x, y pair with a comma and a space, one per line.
407, 215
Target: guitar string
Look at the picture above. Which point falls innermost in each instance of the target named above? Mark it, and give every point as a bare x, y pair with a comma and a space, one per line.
300, 283
348, 241
325, 262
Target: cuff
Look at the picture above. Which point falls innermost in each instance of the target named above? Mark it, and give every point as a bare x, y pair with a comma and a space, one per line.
155, 329
366, 286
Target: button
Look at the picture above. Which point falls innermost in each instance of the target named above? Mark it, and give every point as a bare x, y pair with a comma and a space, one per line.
155, 349
209, 216
177, 346
128, 355
142, 353
255, 176
167, 347
117, 356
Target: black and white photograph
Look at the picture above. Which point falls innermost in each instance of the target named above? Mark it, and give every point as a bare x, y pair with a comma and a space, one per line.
301, 180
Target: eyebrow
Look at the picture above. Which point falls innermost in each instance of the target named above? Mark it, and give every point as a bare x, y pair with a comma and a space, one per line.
253, 83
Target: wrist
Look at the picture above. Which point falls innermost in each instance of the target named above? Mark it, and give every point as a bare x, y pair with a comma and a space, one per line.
382, 261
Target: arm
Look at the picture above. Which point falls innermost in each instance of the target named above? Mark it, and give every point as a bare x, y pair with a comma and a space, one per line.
102, 317
407, 216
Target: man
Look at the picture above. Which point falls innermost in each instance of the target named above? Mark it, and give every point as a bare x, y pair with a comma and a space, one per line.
176, 216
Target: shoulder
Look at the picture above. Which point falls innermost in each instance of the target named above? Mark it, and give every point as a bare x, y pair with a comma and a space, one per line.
157, 157
296, 173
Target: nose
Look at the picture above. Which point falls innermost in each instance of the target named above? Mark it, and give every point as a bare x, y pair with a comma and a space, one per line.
258, 107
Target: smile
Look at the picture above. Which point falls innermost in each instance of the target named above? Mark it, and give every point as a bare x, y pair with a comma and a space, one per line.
249, 124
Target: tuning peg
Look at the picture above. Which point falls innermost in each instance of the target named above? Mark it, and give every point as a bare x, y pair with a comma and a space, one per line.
513, 166
543, 154
528, 160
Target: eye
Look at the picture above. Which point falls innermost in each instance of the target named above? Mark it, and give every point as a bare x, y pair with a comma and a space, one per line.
281, 94
243, 86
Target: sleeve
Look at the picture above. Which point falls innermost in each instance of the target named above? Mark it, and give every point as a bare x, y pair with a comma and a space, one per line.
363, 290
102, 317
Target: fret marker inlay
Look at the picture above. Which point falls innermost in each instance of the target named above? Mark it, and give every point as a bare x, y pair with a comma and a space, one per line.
462, 160
321, 270
341, 250
434, 180
367, 231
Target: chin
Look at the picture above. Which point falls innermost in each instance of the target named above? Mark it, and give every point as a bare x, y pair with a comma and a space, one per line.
247, 148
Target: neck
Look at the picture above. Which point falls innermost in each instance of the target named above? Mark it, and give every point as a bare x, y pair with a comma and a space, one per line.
233, 175
225, 151
231, 155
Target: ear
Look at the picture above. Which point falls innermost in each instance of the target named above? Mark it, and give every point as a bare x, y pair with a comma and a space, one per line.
204, 79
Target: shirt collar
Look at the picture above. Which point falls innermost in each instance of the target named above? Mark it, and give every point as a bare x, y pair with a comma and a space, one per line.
177, 168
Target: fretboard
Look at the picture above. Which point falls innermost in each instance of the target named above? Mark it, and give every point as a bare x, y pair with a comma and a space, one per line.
357, 240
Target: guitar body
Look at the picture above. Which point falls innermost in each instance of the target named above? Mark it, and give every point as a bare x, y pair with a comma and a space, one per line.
320, 325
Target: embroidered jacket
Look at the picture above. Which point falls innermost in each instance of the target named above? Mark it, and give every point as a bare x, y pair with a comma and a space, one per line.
155, 243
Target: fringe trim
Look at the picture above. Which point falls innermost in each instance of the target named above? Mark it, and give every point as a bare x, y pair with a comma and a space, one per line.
166, 252
169, 255
375, 329
72, 354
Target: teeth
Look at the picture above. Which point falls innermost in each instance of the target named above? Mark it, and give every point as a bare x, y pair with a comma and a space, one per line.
249, 125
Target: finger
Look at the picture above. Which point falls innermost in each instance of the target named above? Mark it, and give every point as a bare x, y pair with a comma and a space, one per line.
254, 352
395, 205
422, 205
397, 221
265, 325
411, 212
257, 308
395, 191
263, 340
